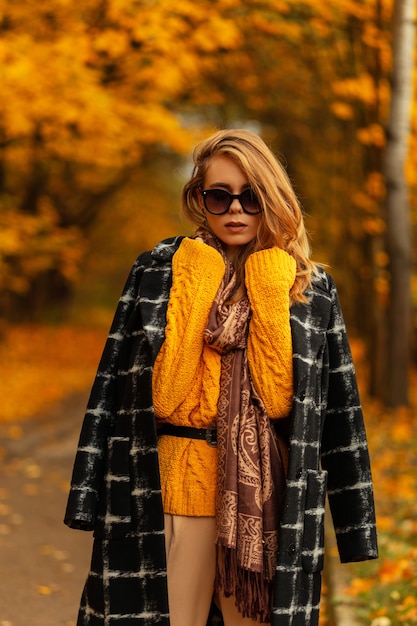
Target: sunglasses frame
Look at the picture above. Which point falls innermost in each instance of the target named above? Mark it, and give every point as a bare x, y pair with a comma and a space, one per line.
232, 196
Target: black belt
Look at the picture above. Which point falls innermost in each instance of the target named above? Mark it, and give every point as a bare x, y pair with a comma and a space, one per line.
208, 434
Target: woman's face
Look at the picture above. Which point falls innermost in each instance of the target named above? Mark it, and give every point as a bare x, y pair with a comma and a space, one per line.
234, 228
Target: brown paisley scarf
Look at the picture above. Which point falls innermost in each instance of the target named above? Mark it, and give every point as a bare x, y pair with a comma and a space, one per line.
252, 462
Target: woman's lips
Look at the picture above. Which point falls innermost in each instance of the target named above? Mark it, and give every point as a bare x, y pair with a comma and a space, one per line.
235, 227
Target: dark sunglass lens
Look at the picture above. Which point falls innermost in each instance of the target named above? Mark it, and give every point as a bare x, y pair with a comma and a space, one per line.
217, 200
250, 202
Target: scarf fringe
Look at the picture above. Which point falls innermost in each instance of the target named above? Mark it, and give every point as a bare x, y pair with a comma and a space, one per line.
252, 592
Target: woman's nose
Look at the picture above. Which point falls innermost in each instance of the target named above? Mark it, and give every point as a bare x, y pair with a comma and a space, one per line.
235, 207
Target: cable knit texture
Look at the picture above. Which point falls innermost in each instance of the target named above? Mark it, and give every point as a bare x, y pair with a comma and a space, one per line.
186, 379
186, 382
270, 275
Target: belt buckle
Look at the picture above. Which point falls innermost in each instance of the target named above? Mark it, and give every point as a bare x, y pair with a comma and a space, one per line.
211, 435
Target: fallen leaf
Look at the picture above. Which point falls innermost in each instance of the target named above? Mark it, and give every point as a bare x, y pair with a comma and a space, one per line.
33, 471
67, 568
381, 621
30, 489
4, 509
16, 519
59, 555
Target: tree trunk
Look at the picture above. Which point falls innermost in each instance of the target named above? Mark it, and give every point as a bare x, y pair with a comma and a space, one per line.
397, 205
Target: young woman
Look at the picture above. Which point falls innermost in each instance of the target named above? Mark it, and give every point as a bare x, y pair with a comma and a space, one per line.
224, 407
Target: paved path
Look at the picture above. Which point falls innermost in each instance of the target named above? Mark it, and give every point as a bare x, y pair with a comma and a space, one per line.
43, 564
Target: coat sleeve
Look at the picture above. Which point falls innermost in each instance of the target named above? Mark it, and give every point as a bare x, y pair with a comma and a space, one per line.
88, 472
345, 451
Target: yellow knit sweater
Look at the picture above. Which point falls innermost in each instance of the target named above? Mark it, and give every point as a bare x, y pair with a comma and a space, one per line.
186, 378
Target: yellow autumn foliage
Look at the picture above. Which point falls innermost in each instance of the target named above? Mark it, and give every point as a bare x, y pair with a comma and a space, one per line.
41, 365
91, 91
372, 135
387, 586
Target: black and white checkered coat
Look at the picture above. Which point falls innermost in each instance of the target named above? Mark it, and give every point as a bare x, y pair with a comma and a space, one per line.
115, 487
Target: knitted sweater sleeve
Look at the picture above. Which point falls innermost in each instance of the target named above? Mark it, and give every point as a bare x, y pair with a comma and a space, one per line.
270, 275
197, 271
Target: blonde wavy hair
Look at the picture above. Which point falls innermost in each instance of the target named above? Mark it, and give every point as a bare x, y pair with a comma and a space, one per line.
281, 222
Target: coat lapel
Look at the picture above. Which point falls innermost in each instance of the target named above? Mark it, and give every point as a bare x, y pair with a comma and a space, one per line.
154, 292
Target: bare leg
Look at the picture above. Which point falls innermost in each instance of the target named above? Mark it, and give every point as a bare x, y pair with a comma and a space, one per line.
191, 563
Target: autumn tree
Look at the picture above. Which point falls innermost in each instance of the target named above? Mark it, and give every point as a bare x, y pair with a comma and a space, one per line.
361, 99
87, 93
98, 98
84, 96
399, 238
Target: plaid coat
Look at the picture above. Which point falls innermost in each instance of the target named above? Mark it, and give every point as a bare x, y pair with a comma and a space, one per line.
115, 488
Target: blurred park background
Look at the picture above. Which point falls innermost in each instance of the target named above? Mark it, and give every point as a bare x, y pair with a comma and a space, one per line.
101, 103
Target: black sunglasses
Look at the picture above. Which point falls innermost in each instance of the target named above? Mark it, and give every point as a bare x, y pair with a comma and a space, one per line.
218, 201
